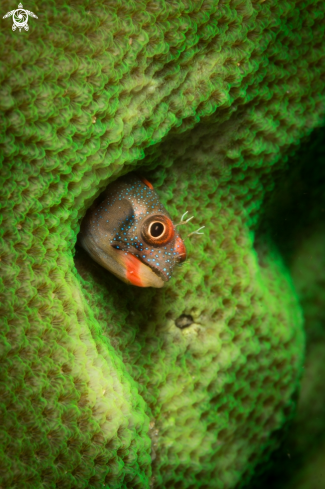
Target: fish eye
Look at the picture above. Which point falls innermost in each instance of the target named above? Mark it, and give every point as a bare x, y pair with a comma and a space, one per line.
156, 229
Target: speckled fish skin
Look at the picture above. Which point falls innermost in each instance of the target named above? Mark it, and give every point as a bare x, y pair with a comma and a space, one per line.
116, 233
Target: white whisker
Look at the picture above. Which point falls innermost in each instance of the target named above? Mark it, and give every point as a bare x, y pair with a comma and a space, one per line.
196, 232
182, 221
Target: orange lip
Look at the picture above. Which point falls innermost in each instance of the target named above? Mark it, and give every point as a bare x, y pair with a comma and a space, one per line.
136, 272
132, 267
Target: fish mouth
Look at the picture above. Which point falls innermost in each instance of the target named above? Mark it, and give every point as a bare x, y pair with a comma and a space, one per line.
132, 266
137, 270
123, 264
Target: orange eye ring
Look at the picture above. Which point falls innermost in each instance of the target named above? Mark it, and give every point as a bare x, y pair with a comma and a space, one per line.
158, 230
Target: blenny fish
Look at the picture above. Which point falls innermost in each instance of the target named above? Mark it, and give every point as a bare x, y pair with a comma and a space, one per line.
129, 232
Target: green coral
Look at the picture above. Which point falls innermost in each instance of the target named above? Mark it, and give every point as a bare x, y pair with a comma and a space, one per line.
294, 218
99, 387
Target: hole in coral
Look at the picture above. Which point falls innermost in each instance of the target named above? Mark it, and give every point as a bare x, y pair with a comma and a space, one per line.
184, 321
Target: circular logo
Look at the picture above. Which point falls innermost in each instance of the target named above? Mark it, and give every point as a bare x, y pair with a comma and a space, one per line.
20, 19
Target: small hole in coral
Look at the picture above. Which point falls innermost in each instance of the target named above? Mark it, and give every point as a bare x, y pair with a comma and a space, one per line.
184, 321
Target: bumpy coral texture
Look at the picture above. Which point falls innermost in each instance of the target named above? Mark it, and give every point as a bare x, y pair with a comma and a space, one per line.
294, 219
99, 387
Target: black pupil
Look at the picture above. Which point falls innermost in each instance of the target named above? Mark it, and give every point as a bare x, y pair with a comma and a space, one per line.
156, 229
